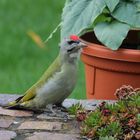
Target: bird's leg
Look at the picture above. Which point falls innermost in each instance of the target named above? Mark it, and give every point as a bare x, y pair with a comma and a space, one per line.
55, 112
50, 107
64, 109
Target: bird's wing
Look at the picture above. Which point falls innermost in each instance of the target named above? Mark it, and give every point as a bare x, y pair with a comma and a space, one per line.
31, 92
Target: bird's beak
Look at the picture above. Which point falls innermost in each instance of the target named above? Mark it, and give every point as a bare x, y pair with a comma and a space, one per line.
82, 45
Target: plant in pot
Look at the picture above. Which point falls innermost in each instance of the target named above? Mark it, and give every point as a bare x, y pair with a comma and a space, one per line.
116, 121
111, 30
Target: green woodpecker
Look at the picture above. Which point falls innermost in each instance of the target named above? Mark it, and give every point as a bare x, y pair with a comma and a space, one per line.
57, 82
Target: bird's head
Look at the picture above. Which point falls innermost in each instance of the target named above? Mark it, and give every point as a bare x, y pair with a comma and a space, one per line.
71, 48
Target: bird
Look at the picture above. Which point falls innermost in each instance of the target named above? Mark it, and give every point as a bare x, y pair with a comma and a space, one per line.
57, 82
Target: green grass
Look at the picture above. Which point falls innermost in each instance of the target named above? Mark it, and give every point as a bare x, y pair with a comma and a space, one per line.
21, 61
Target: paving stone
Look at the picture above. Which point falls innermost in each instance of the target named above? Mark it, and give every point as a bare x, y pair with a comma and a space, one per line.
51, 136
5, 98
41, 125
15, 113
5, 123
61, 117
35, 129
7, 135
46, 117
73, 127
87, 104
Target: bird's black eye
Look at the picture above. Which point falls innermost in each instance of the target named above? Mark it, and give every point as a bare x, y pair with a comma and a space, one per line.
71, 42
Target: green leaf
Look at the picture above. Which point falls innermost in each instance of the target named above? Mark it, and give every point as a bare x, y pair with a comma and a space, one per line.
107, 138
102, 18
111, 4
79, 15
112, 107
93, 119
128, 12
111, 34
67, 8
112, 129
75, 108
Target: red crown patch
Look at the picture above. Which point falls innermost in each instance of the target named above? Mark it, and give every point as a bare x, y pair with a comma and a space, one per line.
74, 37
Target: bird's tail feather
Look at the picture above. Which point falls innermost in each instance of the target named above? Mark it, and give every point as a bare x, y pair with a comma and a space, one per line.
17, 106
14, 104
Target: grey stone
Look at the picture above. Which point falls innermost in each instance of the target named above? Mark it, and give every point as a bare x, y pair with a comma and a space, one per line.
5, 98
87, 104
5, 123
46, 117
15, 113
7, 135
41, 125
51, 136
44, 122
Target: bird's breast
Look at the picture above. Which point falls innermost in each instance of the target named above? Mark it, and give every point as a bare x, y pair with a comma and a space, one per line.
60, 85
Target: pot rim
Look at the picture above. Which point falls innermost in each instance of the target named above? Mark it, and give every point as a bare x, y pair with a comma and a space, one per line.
97, 50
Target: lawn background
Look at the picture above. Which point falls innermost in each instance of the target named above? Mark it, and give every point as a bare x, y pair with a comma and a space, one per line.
21, 61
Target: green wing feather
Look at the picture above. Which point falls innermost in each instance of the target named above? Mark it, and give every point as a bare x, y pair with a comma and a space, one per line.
31, 92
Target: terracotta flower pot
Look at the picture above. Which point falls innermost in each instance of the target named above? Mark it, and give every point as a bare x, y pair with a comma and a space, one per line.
107, 70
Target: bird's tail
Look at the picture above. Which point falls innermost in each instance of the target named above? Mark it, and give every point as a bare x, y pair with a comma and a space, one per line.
14, 104
19, 106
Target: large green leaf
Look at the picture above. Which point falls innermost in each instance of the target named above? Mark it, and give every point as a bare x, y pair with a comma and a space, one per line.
67, 8
111, 34
79, 15
111, 4
128, 12
107, 138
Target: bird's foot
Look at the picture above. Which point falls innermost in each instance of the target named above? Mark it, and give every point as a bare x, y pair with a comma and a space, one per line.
61, 107
55, 112
51, 111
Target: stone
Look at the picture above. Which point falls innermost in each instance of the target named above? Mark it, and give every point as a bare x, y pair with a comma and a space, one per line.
61, 117
15, 113
7, 135
41, 125
5, 123
51, 136
87, 104
46, 117
45, 126
5, 98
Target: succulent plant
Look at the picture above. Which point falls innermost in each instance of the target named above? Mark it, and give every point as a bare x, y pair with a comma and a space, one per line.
75, 108
117, 121
107, 138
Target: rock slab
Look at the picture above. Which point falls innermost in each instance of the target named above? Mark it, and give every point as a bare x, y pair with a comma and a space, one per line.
41, 125
15, 113
7, 135
5, 123
51, 136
